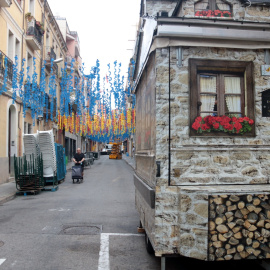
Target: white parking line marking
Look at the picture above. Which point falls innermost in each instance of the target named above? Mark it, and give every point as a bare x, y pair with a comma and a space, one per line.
104, 257
2, 261
104, 262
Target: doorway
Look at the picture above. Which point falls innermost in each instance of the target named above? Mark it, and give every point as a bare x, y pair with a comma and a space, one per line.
11, 138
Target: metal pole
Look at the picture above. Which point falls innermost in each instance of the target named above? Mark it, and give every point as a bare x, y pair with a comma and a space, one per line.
163, 263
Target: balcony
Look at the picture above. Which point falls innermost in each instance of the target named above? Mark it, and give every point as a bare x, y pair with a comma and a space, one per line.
6, 65
68, 60
33, 35
5, 3
50, 54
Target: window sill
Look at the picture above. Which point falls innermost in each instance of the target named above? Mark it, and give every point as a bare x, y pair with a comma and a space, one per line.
222, 134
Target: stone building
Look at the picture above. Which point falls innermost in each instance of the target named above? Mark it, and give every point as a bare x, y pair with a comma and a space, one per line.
199, 180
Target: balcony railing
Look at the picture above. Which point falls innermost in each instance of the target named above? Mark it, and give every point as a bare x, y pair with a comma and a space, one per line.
6, 65
33, 32
50, 54
68, 60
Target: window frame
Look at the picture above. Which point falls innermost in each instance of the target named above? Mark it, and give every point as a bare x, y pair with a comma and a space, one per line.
222, 68
220, 93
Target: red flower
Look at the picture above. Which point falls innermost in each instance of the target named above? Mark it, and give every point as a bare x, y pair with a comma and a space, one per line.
210, 120
226, 119
213, 13
250, 121
198, 119
240, 119
196, 125
237, 126
216, 125
218, 119
205, 127
228, 126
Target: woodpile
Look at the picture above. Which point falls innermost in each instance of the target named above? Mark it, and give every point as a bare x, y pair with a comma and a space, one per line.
239, 227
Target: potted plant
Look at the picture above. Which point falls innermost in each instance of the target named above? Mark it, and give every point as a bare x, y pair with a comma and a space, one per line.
232, 125
28, 16
41, 29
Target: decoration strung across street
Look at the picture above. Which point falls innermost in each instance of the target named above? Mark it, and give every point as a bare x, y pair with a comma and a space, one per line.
90, 105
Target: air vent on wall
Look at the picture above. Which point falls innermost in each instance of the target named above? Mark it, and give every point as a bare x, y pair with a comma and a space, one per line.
163, 14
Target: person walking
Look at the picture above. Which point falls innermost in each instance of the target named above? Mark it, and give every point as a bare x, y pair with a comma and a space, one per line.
78, 159
133, 151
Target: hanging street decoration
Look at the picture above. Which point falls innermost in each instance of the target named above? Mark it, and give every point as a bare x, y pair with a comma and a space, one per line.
88, 104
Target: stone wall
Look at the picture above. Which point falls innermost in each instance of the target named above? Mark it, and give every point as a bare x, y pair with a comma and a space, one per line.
239, 11
193, 223
153, 7
181, 216
215, 160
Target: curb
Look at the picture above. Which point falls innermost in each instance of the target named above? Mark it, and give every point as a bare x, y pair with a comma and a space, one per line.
7, 198
130, 164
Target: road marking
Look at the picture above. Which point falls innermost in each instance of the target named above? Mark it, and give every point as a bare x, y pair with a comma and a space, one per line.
104, 257
2, 261
60, 210
104, 261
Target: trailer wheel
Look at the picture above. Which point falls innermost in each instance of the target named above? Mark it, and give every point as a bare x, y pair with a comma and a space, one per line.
148, 245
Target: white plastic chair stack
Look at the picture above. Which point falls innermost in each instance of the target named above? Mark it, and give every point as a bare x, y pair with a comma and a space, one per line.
31, 147
47, 148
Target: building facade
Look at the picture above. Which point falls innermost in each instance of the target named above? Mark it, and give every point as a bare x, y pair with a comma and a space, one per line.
196, 59
31, 37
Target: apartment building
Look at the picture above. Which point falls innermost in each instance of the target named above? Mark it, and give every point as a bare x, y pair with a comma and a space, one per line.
29, 37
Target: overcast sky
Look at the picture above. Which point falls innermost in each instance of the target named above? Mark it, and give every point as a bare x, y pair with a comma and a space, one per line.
104, 28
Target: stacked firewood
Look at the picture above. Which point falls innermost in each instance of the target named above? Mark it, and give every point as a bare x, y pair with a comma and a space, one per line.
239, 227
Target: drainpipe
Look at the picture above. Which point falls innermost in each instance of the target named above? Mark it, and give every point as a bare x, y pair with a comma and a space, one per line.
23, 30
42, 40
169, 153
19, 113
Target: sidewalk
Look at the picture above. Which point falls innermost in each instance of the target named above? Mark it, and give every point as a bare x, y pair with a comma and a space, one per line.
129, 160
7, 191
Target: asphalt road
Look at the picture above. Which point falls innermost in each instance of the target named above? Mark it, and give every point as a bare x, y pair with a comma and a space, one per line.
92, 225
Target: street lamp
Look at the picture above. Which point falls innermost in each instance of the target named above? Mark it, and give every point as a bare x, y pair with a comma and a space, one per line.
56, 61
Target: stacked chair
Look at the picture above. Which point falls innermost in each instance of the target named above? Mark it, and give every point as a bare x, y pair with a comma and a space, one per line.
38, 166
31, 147
47, 148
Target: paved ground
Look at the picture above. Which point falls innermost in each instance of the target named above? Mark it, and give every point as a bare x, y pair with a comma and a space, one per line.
92, 225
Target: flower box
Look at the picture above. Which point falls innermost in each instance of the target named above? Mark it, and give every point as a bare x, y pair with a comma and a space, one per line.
213, 13
232, 125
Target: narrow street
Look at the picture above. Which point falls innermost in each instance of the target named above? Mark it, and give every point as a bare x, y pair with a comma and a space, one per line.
92, 225
65, 229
